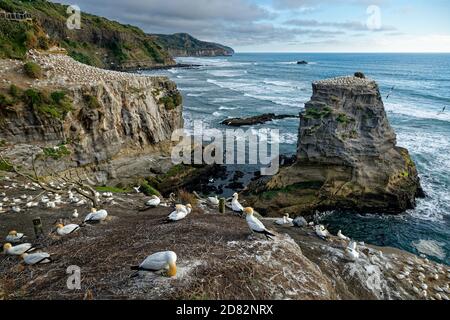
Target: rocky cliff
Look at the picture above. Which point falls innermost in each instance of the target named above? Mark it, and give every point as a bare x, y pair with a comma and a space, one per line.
347, 157
102, 119
184, 45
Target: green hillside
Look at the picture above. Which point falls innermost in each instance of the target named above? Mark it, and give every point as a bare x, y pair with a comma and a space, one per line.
100, 42
183, 44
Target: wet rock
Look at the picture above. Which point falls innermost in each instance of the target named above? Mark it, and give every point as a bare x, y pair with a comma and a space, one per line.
261, 119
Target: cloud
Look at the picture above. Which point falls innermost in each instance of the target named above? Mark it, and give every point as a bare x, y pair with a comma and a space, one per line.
294, 4
348, 25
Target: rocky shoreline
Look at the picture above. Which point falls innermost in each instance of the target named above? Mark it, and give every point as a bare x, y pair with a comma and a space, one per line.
347, 157
260, 119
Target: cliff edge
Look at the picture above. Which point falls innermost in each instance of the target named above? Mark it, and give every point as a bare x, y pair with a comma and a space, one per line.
116, 124
347, 157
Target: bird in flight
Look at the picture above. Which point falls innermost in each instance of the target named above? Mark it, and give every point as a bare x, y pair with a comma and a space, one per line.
390, 92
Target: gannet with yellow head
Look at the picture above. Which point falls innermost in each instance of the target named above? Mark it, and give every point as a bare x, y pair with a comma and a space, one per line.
321, 232
342, 237
187, 208
14, 236
36, 258
235, 205
18, 250
213, 201
351, 252
96, 216
160, 261
153, 202
255, 225
179, 214
63, 230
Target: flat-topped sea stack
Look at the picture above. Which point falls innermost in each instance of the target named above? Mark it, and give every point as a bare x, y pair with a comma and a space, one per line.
347, 157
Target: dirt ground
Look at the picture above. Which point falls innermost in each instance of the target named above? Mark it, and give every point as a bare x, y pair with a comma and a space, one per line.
217, 259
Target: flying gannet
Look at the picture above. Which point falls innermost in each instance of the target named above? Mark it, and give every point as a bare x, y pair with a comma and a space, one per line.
285, 220
15, 237
235, 205
255, 225
66, 230
96, 216
342, 237
160, 261
36, 258
179, 214
17, 250
153, 202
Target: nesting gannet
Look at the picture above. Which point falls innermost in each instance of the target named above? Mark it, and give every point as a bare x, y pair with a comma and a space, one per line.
255, 225
15, 209
213, 201
153, 202
18, 250
51, 205
32, 204
351, 252
14, 237
66, 230
300, 222
36, 258
321, 232
160, 261
187, 208
96, 216
75, 214
179, 214
235, 205
285, 220
342, 237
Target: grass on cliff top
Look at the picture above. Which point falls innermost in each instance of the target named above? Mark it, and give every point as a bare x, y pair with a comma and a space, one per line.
55, 105
119, 43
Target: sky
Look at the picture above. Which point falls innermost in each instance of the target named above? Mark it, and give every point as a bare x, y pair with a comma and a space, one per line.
291, 25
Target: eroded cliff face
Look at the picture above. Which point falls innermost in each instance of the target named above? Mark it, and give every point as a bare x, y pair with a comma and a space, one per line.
119, 125
347, 157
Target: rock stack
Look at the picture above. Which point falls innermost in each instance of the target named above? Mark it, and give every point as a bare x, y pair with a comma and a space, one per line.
347, 157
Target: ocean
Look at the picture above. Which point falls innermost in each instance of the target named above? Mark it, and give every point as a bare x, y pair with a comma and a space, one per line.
249, 84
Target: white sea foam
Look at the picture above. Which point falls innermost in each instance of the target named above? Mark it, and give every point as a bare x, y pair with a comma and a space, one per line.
421, 112
217, 114
195, 94
227, 108
227, 73
430, 248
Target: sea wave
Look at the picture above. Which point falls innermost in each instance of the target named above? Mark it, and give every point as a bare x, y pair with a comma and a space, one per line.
227, 73
429, 112
430, 248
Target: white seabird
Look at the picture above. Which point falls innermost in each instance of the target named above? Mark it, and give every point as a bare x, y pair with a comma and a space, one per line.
137, 189
153, 202
255, 225
96, 216
213, 201
187, 208
63, 230
36, 258
351, 252
14, 237
321, 232
178, 214
18, 250
342, 237
75, 214
160, 261
235, 205
285, 220
16, 209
